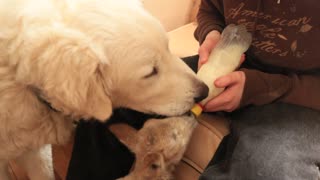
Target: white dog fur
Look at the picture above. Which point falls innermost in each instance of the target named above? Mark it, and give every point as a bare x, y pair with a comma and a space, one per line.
84, 58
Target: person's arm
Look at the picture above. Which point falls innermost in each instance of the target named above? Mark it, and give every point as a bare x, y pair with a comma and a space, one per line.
263, 88
209, 18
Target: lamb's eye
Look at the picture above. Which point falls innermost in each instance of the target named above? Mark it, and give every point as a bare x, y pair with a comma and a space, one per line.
154, 166
152, 73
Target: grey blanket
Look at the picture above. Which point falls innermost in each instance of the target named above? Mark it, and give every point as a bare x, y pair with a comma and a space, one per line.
271, 142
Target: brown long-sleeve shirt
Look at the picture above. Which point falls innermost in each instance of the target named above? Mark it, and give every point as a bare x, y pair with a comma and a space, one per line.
283, 62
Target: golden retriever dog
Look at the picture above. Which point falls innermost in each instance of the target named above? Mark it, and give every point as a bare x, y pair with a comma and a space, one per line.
158, 146
65, 60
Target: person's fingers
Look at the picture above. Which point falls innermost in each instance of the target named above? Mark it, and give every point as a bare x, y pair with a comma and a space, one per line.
214, 107
203, 56
228, 79
221, 102
205, 50
207, 46
243, 57
230, 98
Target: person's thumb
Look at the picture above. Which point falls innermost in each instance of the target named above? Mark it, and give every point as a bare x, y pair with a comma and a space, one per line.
204, 51
203, 56
207, 46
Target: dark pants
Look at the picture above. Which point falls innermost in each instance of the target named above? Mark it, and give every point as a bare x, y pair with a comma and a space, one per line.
271, 142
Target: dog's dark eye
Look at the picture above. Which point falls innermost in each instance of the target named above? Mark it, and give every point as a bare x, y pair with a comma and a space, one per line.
153, 72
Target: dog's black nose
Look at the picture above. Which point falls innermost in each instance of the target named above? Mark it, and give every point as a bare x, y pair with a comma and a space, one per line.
203, 93
199, 98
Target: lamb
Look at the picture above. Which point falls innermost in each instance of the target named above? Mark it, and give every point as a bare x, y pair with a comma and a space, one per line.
158, 146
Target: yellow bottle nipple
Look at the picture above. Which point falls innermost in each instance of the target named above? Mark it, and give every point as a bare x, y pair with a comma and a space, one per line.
197, 110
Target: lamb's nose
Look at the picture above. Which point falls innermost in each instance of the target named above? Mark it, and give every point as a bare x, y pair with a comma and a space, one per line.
203, 93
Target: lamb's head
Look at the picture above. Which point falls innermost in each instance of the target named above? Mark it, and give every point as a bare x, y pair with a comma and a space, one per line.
158, 146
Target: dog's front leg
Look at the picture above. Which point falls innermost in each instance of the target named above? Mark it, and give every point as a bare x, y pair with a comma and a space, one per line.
4, 173
38, 163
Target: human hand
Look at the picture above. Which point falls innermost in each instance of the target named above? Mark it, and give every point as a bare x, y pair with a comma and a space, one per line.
208, 45
230, 98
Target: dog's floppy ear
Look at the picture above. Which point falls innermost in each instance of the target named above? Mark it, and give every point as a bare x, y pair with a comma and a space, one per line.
126, 134
64, 65
98, 103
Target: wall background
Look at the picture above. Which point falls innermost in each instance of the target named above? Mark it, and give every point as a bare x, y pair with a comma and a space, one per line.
172, 13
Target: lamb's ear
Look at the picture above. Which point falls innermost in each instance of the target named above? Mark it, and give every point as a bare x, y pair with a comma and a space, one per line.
126, 134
